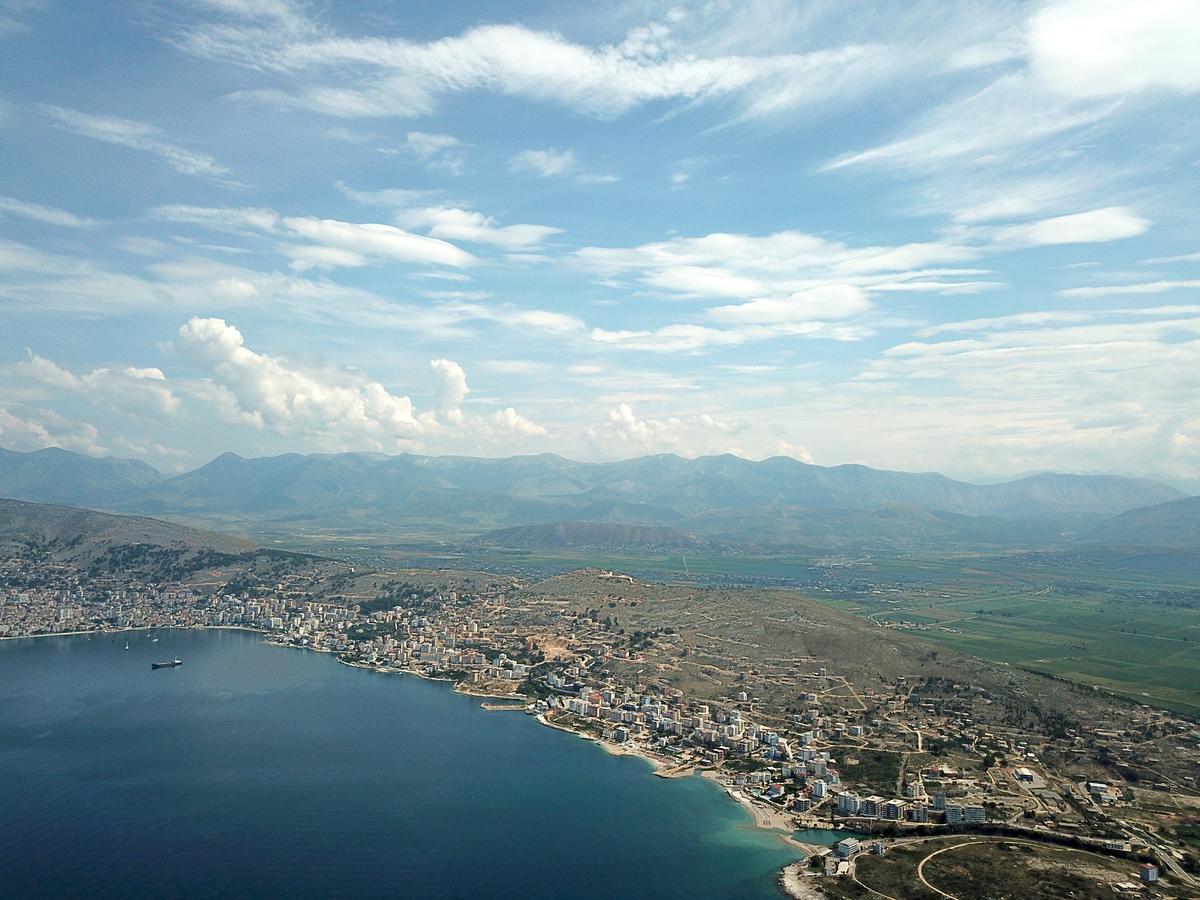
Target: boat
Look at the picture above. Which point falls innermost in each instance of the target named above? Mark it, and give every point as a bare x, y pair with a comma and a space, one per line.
169, 664
127, 646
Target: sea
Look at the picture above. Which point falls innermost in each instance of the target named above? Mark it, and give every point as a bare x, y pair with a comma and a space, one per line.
260, 771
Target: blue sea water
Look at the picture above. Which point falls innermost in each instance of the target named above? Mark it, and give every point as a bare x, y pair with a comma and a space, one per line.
261, 771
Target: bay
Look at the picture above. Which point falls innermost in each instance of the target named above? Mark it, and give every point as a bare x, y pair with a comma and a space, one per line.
254, 770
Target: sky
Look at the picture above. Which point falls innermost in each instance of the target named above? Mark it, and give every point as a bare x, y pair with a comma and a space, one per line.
961, 237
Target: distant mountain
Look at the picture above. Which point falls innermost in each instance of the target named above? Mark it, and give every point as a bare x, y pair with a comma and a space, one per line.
485, 493
1172, 524
455, 494
597, 536
60, 476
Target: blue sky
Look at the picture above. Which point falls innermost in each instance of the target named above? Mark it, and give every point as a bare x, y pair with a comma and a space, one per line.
959, 237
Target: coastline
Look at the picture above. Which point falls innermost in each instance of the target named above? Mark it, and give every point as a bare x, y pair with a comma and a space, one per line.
93, 631
766, 818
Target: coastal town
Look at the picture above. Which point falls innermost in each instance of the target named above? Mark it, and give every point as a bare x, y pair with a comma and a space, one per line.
896, 762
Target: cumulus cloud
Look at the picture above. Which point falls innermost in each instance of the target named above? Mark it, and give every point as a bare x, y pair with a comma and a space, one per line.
288, 401
45, 428
141, 391
508, 422
450, 386
337, 409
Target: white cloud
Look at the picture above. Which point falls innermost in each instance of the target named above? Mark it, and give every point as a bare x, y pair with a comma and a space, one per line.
45, 428
1111, 223
1110, 290
338, 409
273, 395
221, 218
354, 244
992, 123
475, 227
334, 243
423, 145
438, 152
548, 163
1163, 260
378, 76
396, 197
508, 422
141, 391
450, 386
138, 136
48, 215
833, 301
1104, 48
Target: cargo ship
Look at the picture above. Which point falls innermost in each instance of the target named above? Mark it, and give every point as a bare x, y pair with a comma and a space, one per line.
170, 664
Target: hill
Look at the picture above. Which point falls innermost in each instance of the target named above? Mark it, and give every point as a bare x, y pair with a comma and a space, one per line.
1172, 524
97, 542
60, 476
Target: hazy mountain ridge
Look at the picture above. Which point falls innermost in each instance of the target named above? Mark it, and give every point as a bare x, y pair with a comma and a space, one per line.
539, 486
1175, 523
60, 476
778, 501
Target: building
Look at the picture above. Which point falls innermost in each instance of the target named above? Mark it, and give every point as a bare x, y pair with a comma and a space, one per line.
1149, 873
894, 809
965, 814
848, 804
848, 847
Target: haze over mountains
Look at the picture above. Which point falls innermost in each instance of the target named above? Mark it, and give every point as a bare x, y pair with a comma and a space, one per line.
717, 499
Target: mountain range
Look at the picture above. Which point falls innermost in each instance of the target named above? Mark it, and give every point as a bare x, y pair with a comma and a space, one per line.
773, 502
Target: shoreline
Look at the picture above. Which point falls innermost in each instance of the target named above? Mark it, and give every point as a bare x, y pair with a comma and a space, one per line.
92, 631
767, 819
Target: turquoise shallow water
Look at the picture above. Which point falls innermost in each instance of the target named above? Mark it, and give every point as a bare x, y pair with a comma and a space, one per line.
254, 770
